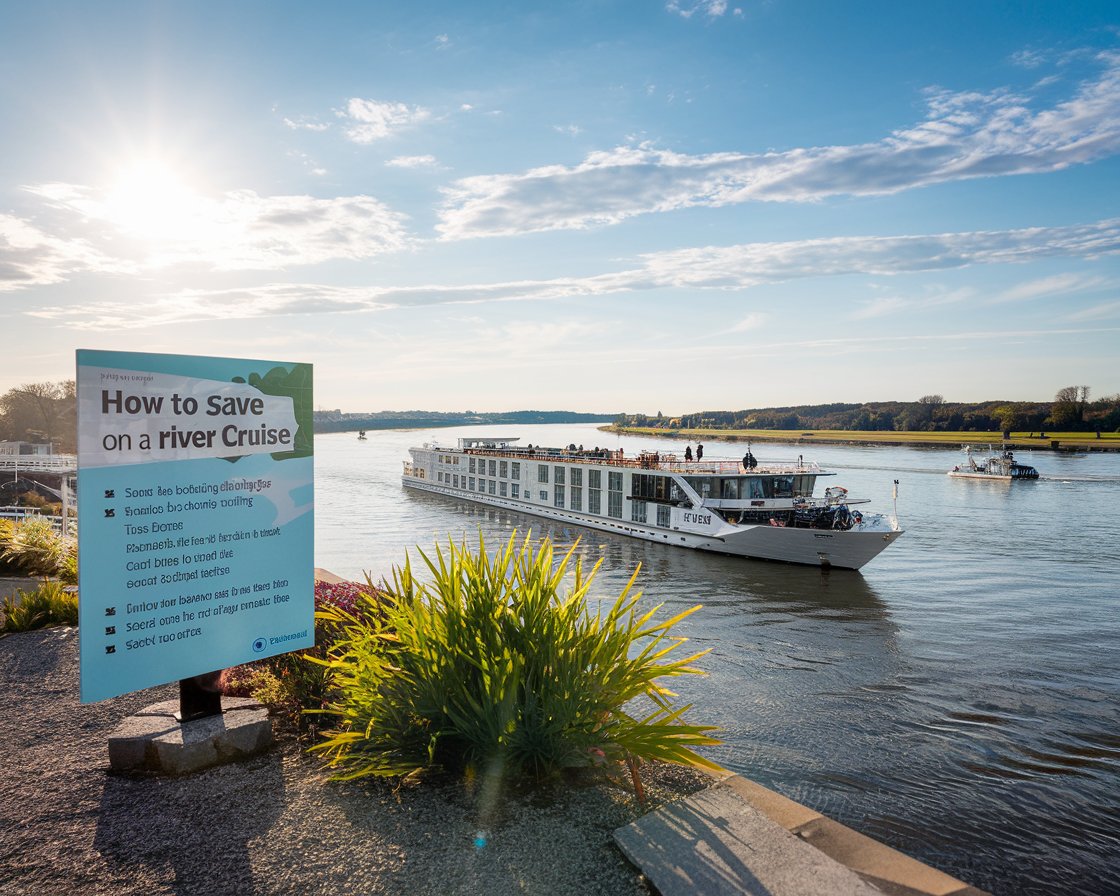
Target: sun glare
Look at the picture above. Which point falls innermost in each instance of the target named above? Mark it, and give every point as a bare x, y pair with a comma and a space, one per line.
149, 200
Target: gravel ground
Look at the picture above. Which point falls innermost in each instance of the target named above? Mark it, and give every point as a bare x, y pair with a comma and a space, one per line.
273, 824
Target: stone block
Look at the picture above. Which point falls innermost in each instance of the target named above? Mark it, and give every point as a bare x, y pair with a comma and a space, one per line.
153, 741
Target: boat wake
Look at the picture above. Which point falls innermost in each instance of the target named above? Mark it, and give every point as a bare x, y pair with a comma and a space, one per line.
1101, 479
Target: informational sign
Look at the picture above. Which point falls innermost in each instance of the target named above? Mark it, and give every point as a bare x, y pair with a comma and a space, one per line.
195, 516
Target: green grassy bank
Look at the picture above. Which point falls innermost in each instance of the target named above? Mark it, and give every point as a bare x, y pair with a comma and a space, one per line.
1054, 441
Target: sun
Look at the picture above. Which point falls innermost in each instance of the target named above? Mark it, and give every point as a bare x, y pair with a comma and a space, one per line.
150, 200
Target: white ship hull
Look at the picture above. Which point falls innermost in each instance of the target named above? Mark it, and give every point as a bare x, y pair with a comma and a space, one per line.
689, 521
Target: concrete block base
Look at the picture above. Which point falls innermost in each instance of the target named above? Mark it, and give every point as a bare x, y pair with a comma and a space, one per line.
153, 741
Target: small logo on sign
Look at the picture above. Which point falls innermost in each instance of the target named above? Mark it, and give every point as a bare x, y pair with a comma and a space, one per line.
259, 645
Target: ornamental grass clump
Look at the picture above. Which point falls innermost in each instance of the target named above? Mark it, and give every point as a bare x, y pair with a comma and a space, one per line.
32, 547
49, 604
493, 665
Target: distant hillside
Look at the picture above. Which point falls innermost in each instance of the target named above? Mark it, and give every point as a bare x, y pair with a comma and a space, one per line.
335, 421
929, 414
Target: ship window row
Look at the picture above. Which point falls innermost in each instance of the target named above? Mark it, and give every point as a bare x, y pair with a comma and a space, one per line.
738, 488
559, 475
503, 469
651, 486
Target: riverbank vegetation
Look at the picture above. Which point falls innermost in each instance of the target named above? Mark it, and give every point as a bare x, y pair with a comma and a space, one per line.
1071, 412
1071, 441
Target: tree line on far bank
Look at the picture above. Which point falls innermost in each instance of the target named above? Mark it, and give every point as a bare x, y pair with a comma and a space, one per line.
1070, 411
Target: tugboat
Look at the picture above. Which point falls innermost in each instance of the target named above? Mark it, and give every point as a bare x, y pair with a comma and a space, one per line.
1000, 466
749, 508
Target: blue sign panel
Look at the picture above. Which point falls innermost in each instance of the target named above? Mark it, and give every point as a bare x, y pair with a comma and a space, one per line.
195, 516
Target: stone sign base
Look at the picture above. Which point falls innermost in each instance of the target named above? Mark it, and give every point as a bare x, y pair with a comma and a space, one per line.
153, 741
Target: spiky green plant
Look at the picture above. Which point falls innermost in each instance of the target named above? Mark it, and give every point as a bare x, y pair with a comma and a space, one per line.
491, 665
35, 548
49, 604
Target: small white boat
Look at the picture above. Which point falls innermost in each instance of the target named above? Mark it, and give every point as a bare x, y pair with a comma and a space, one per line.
764, 511
1000, 466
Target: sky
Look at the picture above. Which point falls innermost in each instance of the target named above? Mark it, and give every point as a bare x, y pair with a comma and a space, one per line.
670, 205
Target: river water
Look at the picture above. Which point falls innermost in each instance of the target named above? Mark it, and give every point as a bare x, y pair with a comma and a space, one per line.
957, 699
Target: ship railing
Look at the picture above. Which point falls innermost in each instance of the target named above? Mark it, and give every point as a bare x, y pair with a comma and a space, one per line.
646, 460
735, 467
587, 455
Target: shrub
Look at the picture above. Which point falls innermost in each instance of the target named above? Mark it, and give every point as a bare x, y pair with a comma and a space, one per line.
288, 683
49, 604
7, 530
68, 566
34, 548
490, 666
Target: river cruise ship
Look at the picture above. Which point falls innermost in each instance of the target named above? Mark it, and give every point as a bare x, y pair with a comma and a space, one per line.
763, 511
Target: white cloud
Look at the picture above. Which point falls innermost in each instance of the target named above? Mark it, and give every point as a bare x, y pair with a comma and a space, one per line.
880, 308
31, 257
235, 231
370, 120
412, 162
1028, 58
308, 163
751, 264
306, 124
686, 9
1104, 311
737, 267
965, 135
752, 321
1057, 284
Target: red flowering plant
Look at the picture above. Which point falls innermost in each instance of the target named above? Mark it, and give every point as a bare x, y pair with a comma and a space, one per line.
289, 683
